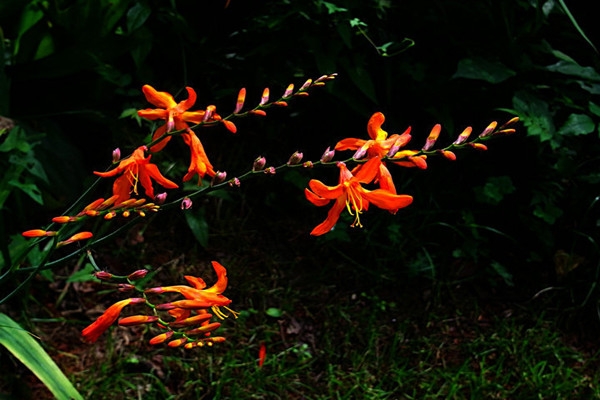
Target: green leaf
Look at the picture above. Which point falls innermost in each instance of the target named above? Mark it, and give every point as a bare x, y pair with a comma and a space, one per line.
20, 343
482, 69
577, 124
575, 70
137, 15
535, 115
16, 140
274, 312
198, 225
83, 275
503, 273
30, 189
494, 190
594, 108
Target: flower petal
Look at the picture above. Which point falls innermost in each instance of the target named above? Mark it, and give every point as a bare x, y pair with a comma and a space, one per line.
332, 217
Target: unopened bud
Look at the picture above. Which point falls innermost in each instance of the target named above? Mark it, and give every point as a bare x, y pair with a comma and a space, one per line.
125, 287
296, 158
265, 97
489, 130
259, 164
38, 233
270, 171
327, 155
186, 203
288, 90
234, 182
360, 153
308, 164
433, 136
448, 155
103, 275
261, 113
160, 198
478, 146
116, 155
306, 84
161, 338
139, 274
219, 177
463, 136
137, 320
240, 100
210, 110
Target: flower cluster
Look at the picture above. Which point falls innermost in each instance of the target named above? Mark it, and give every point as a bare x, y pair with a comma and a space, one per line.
185, 322
371, 156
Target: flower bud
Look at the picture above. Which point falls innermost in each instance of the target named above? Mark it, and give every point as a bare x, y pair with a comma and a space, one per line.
240, 100
75, 238
327, 155
125, 287
448, 155
308, 164
177, 342
235, 182
38, 233
270, 171
463, 136
295, 158
261, 113
160, 198
116, 155
433, 136
139, 274
137, 320
161, 338
288, 90
210, 110
489, 129
259, 164
265, 97
186, 203
230, 126
219, 177
103, 275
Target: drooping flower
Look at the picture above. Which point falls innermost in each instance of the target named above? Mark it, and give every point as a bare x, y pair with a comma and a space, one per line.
199, 163
379, 145
99, 326
196, 292
132, 170
350, 194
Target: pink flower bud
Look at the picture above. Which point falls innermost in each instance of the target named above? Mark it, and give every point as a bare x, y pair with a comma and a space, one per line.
489, 130
295, 158
235, 182
327, 155
210, 110
270, 171
259, 164
463, 136
433, 136
116, 155
308, 164
186, 203
160, 198
219, 177
265, 97
103, 275
139, 274
125, 287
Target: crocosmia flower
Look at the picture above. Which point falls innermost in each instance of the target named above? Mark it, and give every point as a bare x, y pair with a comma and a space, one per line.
97, 328
350, 194
379, 145
132, 170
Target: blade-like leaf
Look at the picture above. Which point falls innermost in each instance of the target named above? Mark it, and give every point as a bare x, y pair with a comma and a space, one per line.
24, 347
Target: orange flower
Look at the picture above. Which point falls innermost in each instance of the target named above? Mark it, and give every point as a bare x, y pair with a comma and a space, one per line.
196, 295
136, 169
97, 328
350, 194
379, 145
199, 163
176, 114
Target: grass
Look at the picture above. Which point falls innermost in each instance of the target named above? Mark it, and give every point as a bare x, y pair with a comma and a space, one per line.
334, 328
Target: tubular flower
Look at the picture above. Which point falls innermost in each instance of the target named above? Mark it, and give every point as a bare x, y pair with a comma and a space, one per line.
379, 145
136, 169
97, 328
196, 295
350, 194
199, 163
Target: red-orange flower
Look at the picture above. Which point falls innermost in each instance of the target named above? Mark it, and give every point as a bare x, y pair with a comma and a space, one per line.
136, 169
97, 328
176, 114
196, 294
350, 194
199, 163
379, 145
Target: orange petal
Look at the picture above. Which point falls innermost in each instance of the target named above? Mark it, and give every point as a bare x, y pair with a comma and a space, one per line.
374, 127
332, 217
324, 191
221, 284
159, 99
316, 200
350, 144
